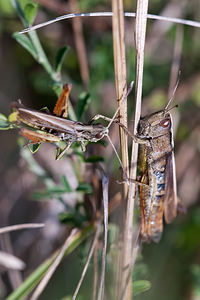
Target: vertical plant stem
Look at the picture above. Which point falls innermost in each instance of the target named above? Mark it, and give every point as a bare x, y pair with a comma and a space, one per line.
120, 74
140, 33
121, 89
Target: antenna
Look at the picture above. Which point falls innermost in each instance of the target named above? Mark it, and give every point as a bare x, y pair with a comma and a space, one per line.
172, 97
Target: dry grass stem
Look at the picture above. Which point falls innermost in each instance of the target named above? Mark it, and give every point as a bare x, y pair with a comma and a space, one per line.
121, 89
110, 14
140, 34
120, 74
43, 283
105, 182
91, 251
95, 272
20, 227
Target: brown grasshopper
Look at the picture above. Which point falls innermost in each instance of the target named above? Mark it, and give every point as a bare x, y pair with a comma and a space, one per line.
157, 189
44, 127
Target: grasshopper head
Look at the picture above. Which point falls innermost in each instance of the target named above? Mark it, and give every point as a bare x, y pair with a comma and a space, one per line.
155, 125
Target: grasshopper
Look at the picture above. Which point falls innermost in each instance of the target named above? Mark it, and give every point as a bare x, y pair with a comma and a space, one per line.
157, 188
40, 127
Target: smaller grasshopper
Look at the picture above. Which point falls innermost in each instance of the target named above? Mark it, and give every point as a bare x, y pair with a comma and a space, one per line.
40, 127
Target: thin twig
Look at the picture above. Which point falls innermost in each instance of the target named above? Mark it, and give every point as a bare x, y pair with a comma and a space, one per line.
20, 227
110, 14
53, 267
105, 182
91, 251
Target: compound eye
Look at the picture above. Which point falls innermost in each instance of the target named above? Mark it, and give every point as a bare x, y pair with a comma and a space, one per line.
99, 135
165, 123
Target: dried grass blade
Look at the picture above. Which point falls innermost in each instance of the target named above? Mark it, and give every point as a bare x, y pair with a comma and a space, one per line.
105, 182
110, 14
43, 283
20, 227
120, 74
121, 89
91, 251
140, 34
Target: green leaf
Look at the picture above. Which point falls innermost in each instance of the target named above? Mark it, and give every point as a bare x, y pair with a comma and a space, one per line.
6, 8
57, 88
66, 184
4, 123
94, 159
60, 55
16, 4
25, 42
34, 147
50, 193
82, 105
141, 286
84, 187
30, 12
72, 219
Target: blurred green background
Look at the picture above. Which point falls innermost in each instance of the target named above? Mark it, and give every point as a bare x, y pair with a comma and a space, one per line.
173, 265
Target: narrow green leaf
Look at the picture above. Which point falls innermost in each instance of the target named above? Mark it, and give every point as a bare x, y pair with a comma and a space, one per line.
50, 193
20, 11
141, 286
82, 105
33, 147
72, 219
57, 88
60, 55
25, 42
94, 159
4, 123
30, 12
84, 187
66, 184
